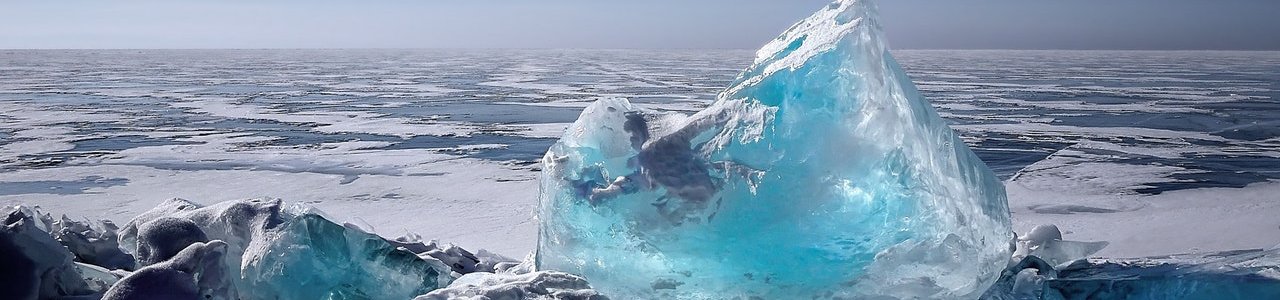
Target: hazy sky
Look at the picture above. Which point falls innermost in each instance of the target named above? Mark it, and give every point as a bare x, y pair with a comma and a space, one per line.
936, 24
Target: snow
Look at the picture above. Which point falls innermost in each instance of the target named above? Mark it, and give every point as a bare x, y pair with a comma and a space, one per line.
487, 206
1168, 223
332, 122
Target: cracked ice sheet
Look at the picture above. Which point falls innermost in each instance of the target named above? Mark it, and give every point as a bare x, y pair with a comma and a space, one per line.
686, 106
333, 121
1095, 202
41, 130
474, 203
541, 130
1089, 191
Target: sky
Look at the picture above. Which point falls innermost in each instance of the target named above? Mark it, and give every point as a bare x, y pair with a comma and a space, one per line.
735, 24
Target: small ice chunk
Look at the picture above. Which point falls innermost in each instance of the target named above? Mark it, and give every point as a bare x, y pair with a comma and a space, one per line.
233, 222
92, 244
1028, 284
1023, 280
535, 285
34, 265
162, 238
195, 272
98, 278
459, 260
236, 223
1042, 234
314, 258
1045, 242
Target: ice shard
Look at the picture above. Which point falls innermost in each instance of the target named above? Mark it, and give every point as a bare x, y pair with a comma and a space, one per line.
820, 173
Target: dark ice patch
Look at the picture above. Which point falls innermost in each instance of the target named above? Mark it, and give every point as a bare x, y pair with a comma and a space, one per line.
517, 148
1214, 171
1067, 209
56, 187
122, 142
486, 113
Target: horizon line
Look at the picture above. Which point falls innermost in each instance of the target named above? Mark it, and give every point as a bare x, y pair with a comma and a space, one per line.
655, 49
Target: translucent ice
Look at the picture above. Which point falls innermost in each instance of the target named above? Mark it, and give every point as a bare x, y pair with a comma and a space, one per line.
313, 258
1045, 242
820, 173
277, 252
1250, 274
1247, 274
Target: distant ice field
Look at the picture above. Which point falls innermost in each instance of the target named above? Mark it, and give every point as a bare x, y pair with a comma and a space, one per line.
1157, 152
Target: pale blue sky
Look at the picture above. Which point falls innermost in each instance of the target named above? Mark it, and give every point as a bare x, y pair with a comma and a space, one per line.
912, 24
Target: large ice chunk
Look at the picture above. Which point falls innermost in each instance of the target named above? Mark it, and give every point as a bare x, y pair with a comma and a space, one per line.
820, 173
459, 260
276, 252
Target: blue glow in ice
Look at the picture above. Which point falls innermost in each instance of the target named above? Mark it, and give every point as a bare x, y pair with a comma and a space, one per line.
821, 173
273, 251
1244, 274
314, 258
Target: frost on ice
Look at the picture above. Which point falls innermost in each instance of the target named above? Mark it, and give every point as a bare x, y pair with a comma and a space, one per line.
820, 173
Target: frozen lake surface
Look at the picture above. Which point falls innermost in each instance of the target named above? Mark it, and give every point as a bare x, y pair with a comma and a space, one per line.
1156, 152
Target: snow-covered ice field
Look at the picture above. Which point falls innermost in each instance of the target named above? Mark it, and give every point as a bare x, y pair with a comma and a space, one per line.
1156, 152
